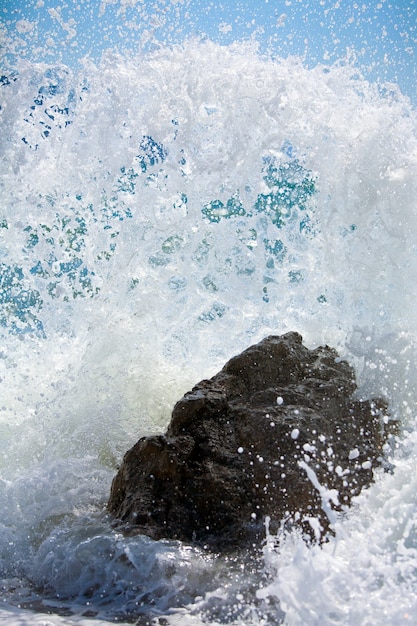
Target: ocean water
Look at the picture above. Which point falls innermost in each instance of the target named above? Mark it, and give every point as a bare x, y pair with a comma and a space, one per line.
160, 212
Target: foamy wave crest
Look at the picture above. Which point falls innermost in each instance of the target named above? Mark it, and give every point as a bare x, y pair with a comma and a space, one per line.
160, 213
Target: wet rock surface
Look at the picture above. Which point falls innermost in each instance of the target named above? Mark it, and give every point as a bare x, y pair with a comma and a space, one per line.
275, 433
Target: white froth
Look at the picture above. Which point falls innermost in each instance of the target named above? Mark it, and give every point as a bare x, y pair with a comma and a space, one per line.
145, 266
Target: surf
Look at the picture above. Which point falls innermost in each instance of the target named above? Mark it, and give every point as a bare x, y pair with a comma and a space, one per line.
161, 211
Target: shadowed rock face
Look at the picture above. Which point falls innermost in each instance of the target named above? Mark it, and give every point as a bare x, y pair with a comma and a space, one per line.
275, 433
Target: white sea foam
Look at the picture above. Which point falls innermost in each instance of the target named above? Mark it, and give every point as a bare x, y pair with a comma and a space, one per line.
160, 213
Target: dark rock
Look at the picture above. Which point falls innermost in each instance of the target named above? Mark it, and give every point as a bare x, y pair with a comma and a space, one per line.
275, 433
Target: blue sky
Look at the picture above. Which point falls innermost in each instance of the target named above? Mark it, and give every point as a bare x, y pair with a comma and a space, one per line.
382, 34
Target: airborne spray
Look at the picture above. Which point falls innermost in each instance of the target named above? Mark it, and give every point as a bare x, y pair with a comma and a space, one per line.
161, 211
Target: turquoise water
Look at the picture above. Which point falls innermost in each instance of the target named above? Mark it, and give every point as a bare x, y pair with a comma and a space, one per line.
160, 212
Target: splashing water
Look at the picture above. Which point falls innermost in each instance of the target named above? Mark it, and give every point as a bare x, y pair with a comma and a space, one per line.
161, 212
